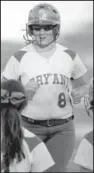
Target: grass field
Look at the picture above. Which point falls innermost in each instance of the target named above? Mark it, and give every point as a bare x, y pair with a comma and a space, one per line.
83, 123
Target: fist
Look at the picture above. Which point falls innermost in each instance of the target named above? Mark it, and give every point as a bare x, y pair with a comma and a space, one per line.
76, 97
31, 89
30, 86
78, 93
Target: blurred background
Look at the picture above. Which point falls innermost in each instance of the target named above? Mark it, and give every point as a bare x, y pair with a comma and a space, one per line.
76, 34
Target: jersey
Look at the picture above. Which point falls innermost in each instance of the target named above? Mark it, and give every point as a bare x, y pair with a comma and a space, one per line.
53, 74
84, 155
37, 156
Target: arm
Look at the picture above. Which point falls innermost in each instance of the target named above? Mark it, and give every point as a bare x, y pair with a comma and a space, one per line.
79, 80
30, 85
11, 69
80, 88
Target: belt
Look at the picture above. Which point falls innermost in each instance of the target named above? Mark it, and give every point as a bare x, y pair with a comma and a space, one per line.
51, 122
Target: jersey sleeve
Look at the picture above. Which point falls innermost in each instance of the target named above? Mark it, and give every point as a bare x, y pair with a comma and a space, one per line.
79, 68
42, 160
11, 69
84, 155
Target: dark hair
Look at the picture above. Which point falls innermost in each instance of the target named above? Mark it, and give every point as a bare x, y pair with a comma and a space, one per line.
11, 126
91, 95
92, 105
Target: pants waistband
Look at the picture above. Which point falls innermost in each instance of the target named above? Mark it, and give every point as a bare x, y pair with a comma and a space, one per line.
48, 123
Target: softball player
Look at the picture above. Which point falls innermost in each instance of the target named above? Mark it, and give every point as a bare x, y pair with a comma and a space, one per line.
46, 68
21, 150
84, 155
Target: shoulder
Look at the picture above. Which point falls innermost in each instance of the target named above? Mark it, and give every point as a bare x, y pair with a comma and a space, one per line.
89, 137
31, 139
68, 51
21, 52
71, 53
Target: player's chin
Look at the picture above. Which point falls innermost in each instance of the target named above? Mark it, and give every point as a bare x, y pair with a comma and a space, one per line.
76, 101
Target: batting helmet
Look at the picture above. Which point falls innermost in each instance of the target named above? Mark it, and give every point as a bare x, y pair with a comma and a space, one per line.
43, 14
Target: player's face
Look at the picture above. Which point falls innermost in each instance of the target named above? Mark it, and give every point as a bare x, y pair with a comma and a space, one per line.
43, 34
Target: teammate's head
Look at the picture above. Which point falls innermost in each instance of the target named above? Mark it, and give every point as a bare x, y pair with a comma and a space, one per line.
13, 100
43, 24
89, 101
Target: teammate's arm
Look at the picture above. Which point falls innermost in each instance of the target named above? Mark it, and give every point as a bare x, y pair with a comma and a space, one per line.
11, 69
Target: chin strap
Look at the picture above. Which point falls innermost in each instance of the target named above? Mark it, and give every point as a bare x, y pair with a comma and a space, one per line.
26, 38
32, 40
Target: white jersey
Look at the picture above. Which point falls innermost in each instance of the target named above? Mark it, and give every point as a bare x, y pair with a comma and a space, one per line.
84, 155
37, 156
52, 99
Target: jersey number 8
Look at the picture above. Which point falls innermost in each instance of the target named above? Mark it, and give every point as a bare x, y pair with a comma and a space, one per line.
61, 100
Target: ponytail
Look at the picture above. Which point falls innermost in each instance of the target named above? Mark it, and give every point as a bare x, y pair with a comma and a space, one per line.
13, 101
12, 136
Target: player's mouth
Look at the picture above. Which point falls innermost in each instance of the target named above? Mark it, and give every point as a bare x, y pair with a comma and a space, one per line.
42, 38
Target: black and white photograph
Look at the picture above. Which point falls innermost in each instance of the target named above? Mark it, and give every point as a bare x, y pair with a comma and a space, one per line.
47, 86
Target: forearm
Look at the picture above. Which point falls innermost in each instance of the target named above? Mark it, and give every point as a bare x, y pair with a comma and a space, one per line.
79, 92
84, 88
81, 85
76, 83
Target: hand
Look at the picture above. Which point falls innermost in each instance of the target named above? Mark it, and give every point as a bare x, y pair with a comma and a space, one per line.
31, 88
30, 85
78, 93
76, 99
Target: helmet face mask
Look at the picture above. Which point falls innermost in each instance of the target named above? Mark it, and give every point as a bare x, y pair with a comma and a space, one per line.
43, 37
43, 15
47, 34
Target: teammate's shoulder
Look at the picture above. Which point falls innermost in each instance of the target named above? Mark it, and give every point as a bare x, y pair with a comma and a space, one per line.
27, 133
31, 139
68, 51
89, 137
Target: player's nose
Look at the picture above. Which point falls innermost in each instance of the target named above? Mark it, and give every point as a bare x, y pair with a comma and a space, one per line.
42, 31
